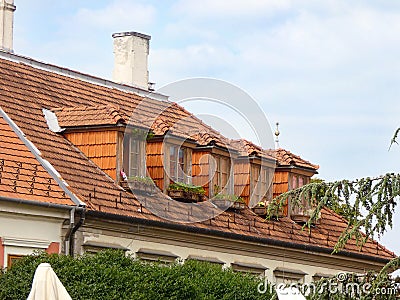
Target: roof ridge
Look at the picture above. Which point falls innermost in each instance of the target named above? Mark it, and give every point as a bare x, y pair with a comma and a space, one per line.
64, 71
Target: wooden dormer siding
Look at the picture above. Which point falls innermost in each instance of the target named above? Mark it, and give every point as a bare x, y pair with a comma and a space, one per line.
201, 170
100, 146
155, 163
252, 186
158, 161
280, 186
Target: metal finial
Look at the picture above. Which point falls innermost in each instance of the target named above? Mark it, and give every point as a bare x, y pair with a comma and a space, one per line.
277, 133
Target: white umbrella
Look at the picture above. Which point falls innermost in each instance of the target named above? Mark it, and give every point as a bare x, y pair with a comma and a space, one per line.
47, 286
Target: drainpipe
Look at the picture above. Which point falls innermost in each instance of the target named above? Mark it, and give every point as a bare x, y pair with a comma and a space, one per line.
69, 239
69, 231
74, 229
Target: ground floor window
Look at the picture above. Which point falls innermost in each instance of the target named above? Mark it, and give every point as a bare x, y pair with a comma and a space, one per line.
153, 255
288, 276
12, 258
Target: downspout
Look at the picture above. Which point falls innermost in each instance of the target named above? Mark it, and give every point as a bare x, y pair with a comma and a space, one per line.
74, 229
69, 231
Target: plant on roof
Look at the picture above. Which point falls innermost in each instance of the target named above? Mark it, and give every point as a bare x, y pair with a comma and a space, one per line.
180, 186
217, 189
229, 197
138, 133
142, 179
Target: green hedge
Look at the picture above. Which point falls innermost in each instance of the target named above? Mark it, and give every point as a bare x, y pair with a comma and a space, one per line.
112, 275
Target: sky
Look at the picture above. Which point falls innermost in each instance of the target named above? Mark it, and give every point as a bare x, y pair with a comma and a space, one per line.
327, 71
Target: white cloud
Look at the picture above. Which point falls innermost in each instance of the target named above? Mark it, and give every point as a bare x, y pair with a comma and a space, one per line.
229, 8
195, 60
123, 15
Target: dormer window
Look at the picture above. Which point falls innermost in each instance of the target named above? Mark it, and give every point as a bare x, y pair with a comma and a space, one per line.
177, 163
261, 182
299, 181
134, 149
221, 170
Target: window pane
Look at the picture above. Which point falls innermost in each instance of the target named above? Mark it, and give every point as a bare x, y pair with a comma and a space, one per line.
173, 162
301, 181
181, 165
294, 182
134, 157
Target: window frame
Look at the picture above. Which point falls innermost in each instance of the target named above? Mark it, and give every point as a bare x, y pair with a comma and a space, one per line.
129, 142
178, 163
153, 255
289, 276
12, 258
218, 173
260, 181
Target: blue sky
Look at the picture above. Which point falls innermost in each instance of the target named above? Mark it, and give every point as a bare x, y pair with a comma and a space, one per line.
328, 71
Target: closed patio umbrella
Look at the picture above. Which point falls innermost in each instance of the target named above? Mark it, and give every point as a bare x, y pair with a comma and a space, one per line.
47, 286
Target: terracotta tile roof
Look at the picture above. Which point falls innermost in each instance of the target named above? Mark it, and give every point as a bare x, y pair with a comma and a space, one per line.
247, 148
178, 121
25, 90
286, 159
21, 174
89, 115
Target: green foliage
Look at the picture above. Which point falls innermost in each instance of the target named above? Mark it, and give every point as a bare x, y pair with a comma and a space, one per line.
394, 139
374, 196
338, 205
140, 134
112, 275
369, 202
144, 180
354, 286
229, 197
180, 186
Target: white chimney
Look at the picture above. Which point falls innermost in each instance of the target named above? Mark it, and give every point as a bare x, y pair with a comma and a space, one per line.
7, 9
131, 51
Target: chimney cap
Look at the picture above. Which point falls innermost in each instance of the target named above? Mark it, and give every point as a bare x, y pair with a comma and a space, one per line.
131, 33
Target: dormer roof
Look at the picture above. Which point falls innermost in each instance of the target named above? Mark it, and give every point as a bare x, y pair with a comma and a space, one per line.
89, 115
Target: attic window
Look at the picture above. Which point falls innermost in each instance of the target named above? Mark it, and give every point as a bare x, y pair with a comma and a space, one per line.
261, 178
220, 168
134, 162
177, 163
299, 181
300, 214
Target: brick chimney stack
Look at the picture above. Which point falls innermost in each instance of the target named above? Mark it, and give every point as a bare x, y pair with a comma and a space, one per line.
131, 51
7, 9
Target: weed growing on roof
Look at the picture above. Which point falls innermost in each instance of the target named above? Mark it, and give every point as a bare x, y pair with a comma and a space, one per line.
180, 186
229, 197
141, 179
